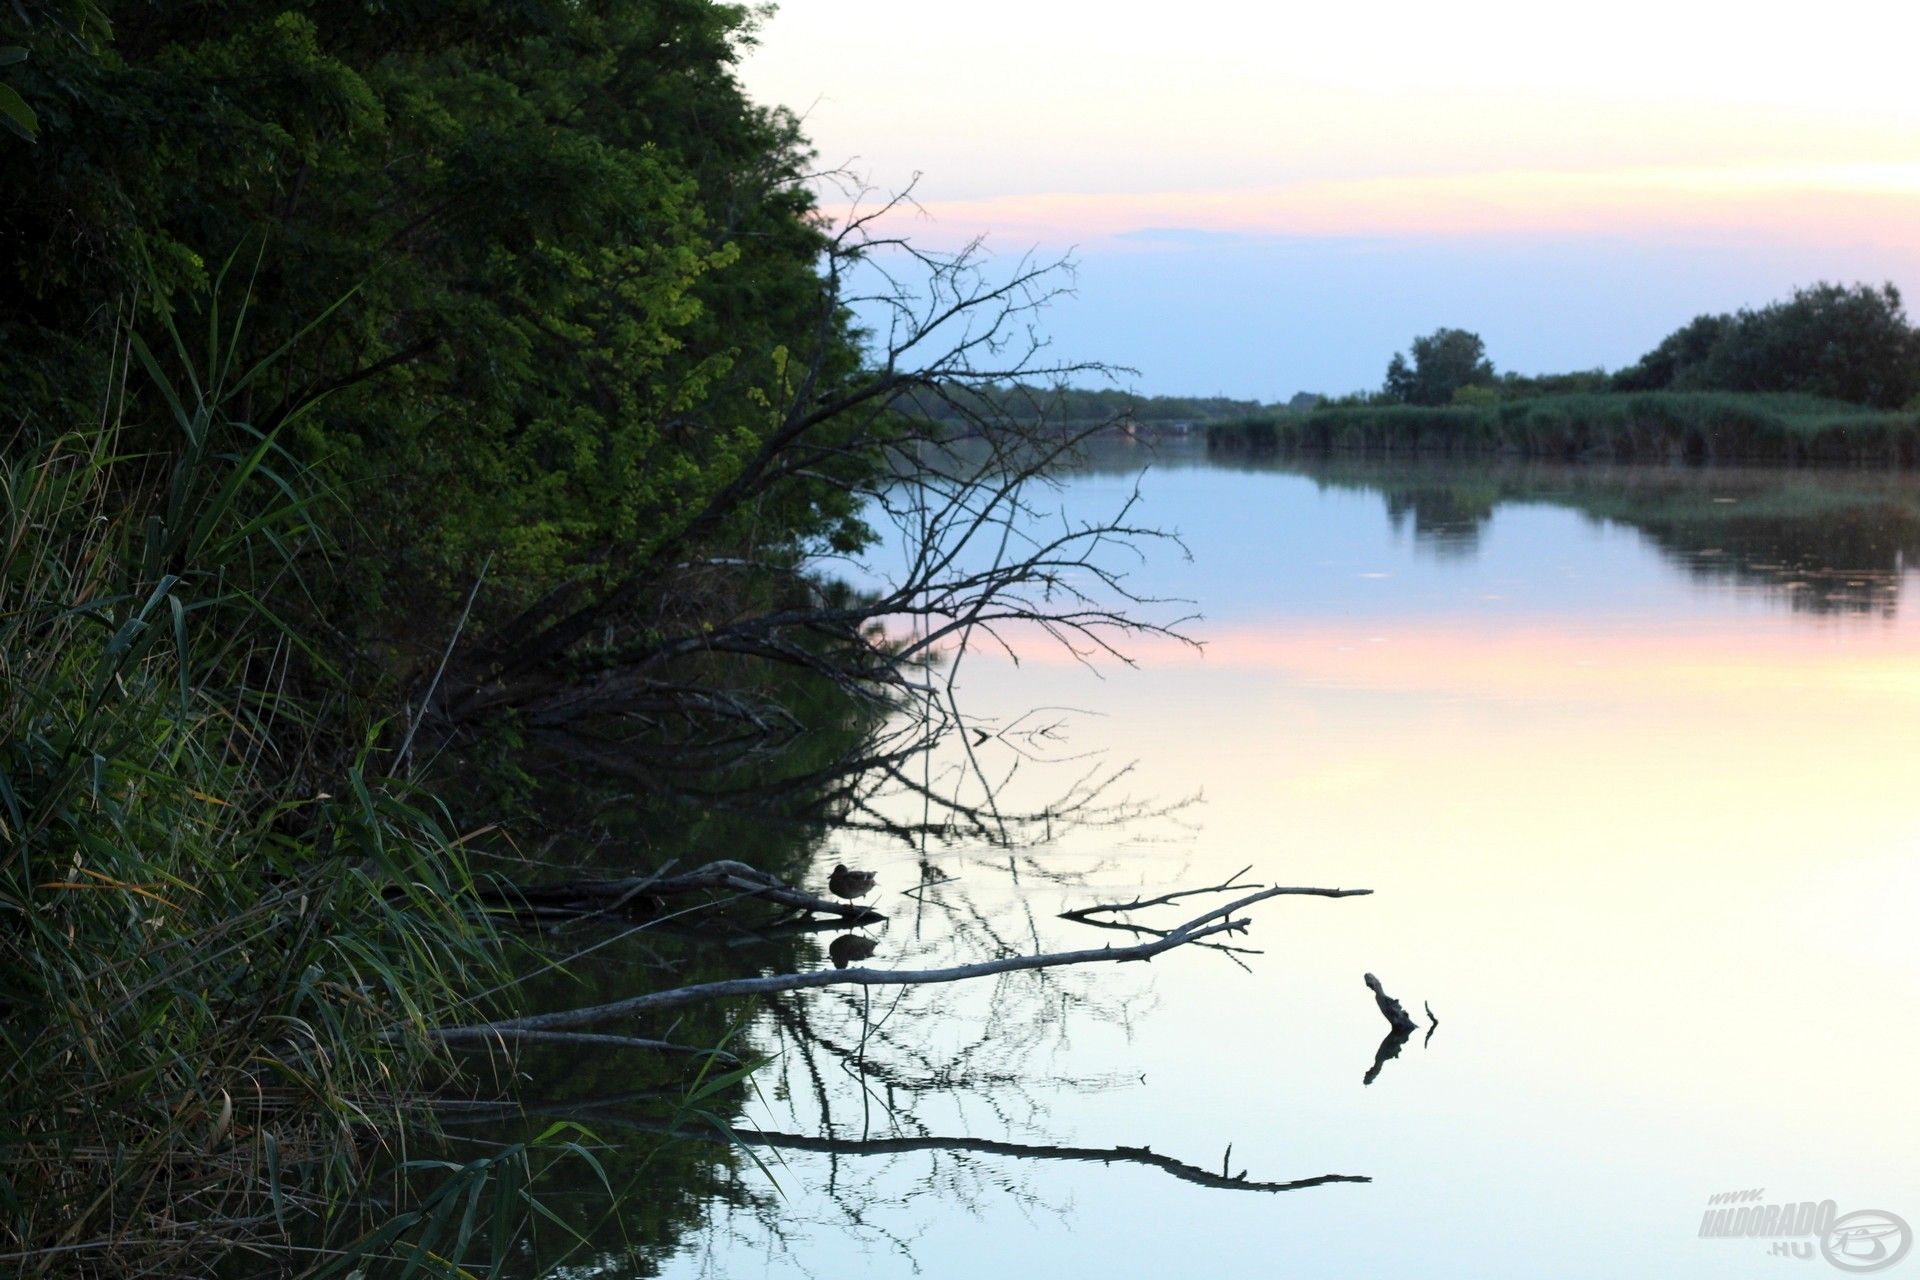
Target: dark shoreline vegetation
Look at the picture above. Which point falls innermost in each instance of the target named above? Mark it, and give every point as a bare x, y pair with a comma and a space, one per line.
1656, 426
431, 434
1831, 374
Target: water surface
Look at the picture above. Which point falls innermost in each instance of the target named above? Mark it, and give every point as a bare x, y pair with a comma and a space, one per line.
1629, 760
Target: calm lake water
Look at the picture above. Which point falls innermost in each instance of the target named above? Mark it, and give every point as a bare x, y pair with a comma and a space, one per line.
1630, 759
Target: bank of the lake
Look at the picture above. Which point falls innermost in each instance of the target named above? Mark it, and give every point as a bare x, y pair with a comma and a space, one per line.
1643, 426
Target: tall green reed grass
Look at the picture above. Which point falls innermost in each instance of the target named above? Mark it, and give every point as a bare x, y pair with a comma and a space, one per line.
223, 934
1649, 425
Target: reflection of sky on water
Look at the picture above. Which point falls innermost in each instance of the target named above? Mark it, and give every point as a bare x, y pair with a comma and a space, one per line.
1648, 844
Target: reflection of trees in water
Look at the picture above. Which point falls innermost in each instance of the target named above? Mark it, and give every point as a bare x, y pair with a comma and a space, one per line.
1446, 522
1826, 541
1847, 560
1818, 541
881, 1099
874, 1084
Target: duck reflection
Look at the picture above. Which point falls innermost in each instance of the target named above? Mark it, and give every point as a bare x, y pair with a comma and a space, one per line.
851, 948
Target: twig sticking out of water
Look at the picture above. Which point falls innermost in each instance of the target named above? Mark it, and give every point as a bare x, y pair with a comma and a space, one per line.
1400, 1028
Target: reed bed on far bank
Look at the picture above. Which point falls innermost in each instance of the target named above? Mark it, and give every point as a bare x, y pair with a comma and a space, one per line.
1645, 426
222, 936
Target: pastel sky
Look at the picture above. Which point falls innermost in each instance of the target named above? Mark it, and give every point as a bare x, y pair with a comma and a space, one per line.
1264, 197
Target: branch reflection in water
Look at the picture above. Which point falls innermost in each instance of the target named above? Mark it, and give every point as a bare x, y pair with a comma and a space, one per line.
1005, 829
957, 1146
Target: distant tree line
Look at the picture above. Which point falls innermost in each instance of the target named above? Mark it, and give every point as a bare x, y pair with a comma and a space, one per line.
1850, 343
1845, 343
1838, 342
1071, 405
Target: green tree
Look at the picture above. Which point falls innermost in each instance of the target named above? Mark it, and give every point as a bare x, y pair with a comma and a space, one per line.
1679, 358
1848, 343
1443, 362
578, 266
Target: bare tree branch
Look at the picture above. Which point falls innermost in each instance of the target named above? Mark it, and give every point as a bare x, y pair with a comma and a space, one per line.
1218, 920
989, 561
1233, 883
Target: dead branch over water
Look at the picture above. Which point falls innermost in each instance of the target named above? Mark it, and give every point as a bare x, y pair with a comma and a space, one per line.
1117, 908
989, 558
1218, 920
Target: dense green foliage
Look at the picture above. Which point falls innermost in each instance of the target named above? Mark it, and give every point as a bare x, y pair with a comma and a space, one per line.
1685, 349
575, 266
1843, 343
1444, 363
322, 316
318, 315
1518, 386
1646, 425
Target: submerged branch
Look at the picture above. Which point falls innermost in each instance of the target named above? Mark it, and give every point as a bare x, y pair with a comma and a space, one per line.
1390, 1009
1400, 1029
986, 1146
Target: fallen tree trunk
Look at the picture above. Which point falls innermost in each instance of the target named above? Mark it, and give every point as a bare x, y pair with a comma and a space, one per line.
1218, 920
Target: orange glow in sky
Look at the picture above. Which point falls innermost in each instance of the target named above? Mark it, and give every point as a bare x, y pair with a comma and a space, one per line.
1873, 203
1572, 183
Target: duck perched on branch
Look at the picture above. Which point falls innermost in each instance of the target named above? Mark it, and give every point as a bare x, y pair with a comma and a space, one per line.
849, 884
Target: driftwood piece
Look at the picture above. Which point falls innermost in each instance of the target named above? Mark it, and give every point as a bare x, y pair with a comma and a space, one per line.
1390, 1008
1400, 1028
1218, 920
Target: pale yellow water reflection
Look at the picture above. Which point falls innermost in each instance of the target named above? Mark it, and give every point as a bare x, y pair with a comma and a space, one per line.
1646, 835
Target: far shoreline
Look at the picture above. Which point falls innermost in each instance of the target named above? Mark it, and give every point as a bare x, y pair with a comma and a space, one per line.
1652, 426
